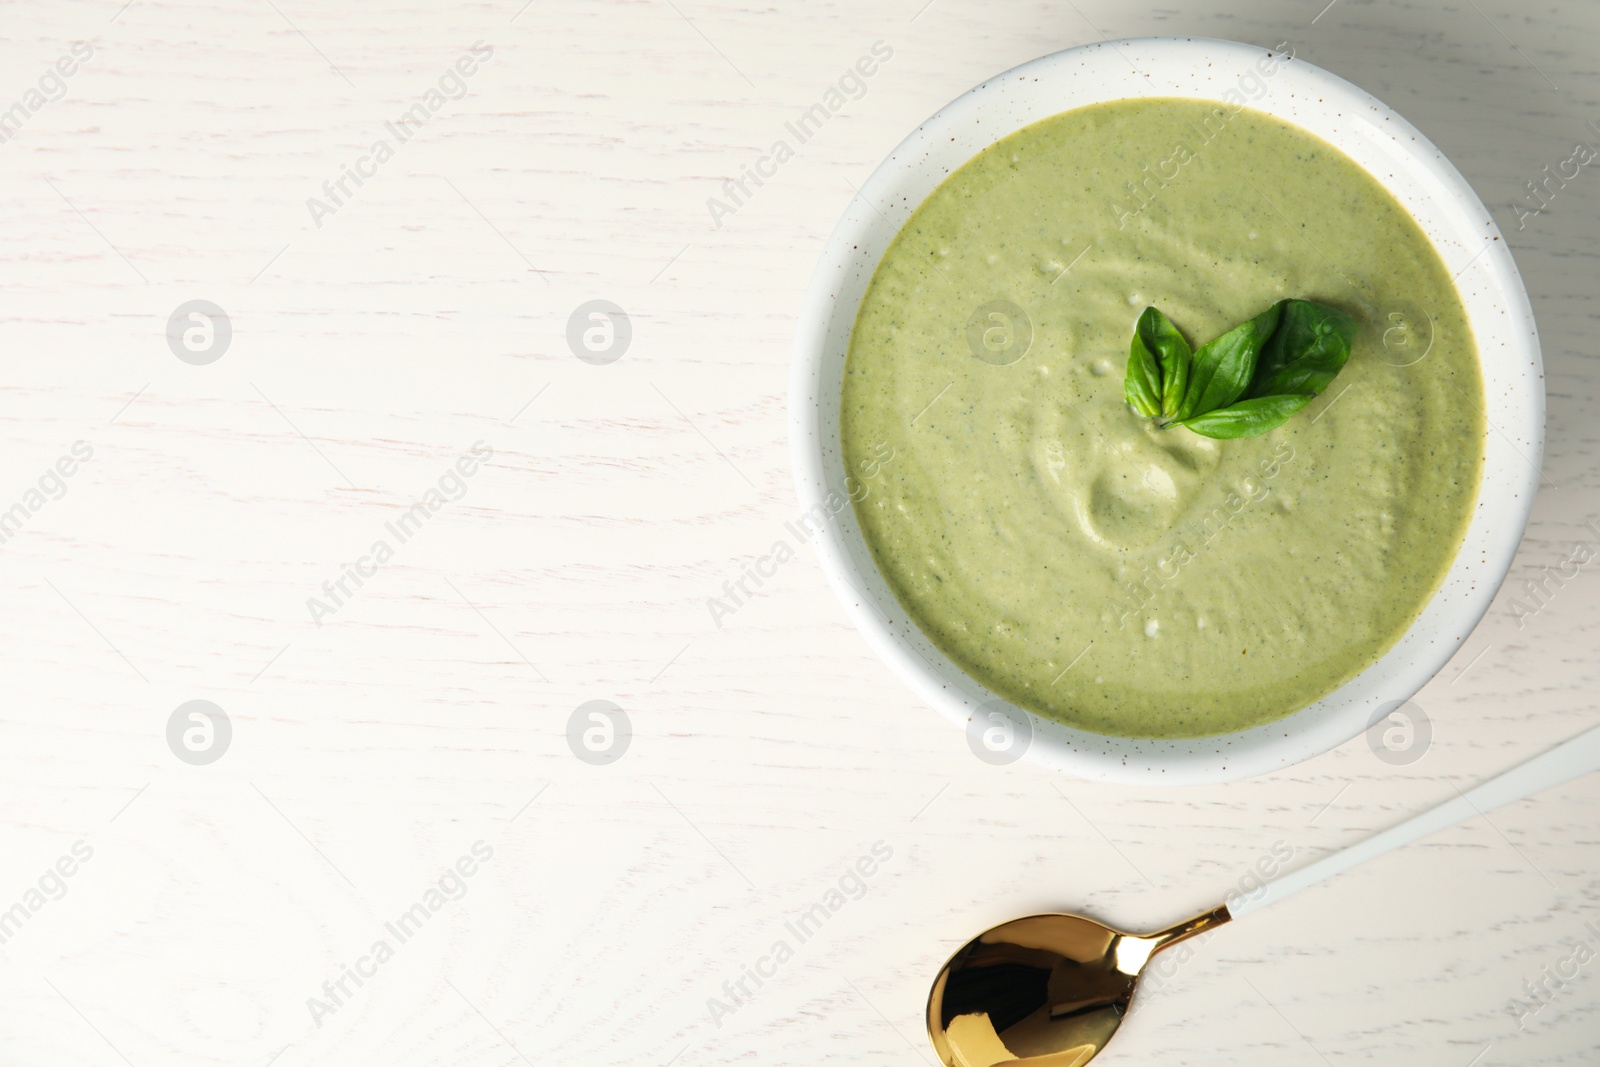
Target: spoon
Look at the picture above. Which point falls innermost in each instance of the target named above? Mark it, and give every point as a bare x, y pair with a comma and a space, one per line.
1050, 990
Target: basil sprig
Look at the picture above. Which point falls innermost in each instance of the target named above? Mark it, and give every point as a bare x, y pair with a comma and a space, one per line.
1244, 383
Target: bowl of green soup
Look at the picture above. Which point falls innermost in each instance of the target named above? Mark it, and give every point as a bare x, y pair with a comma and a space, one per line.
1119, 596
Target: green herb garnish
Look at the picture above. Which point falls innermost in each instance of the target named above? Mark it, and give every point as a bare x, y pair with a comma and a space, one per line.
1244, 383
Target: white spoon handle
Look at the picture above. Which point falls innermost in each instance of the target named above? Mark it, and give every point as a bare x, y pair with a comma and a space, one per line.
1566, 761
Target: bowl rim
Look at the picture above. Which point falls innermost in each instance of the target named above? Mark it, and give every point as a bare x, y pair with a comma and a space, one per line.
1311, 98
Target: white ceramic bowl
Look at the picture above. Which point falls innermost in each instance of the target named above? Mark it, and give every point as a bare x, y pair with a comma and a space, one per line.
1394, 152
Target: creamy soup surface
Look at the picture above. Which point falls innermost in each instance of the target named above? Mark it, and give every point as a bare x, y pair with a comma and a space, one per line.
1093, 569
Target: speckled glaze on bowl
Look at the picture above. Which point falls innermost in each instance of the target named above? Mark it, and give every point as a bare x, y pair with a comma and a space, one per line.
1393, 151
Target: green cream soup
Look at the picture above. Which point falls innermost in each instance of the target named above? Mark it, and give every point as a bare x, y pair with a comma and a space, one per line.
1063, 551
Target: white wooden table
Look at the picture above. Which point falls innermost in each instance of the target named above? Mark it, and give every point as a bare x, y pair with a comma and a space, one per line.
374, 740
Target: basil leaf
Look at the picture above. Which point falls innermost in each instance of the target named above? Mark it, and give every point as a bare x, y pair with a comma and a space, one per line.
1156, 332
1142, 386
1247, 418
1310, 346
1223, 368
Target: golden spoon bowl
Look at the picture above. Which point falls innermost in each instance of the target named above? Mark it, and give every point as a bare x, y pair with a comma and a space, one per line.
1044, 991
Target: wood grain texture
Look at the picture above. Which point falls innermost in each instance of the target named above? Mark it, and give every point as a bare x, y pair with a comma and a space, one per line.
370, 752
